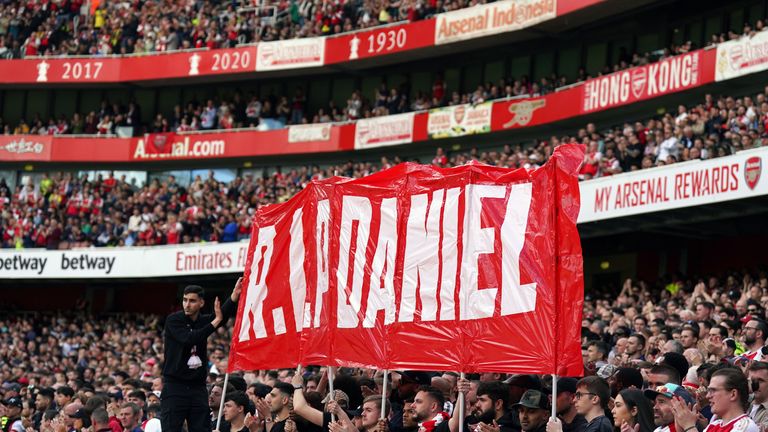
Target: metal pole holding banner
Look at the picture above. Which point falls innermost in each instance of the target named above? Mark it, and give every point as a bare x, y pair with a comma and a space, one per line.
554, 396
461, 405
330, 390
384, 394
221, 404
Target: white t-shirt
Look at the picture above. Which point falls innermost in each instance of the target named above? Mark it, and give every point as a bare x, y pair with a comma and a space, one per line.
668, 147
153, 425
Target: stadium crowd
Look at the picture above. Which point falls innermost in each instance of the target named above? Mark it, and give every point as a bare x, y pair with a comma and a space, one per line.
248, 110
65, 211
70, 27
678, 354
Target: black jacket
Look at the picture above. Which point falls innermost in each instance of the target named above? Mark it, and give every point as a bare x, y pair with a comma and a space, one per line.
181, 335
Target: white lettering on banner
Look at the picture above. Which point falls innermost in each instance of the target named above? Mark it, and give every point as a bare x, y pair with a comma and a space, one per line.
309, 132
384, 40
183, 149
498, 17
432, 225
669, 75
421, 269
353, 239
296, 263
742, 56
290, 54
384, 131
21, 146
382, 292
257, 285
515, 298
476, 303
450, 254
124, 262
674, 186
87, 70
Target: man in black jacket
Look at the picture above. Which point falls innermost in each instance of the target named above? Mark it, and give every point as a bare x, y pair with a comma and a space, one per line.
184, 395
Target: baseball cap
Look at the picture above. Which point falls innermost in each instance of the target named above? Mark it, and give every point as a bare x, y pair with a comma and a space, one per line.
12, 386
338, 395
533, 399
524, 381
670, 390
607, 371
13, 402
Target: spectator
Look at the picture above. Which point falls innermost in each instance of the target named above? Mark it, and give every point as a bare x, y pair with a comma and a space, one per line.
663, 407
632, 410
592, 394
130, 415
534, 411
236, 407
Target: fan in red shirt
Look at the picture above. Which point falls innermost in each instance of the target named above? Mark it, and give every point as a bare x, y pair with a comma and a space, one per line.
728, 394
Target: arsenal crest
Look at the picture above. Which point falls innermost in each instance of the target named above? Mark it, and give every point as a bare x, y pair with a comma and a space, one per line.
752, 169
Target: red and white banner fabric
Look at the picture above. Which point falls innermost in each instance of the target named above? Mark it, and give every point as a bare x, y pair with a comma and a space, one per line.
473, 268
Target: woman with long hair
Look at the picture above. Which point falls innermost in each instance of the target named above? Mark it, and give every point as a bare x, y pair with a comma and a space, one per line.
632, 412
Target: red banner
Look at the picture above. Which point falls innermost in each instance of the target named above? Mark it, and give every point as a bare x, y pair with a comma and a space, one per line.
25, 147
128, 69
288, 54
667, 76
474, 268
379, 41
520, 113
237, 144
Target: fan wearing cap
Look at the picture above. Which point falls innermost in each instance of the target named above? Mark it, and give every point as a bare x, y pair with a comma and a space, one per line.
13, 407
533, 410
81, 420
661, 397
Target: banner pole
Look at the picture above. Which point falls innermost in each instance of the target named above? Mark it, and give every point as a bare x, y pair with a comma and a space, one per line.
384, 394
221, 404
554, 396
461, 405
330, 389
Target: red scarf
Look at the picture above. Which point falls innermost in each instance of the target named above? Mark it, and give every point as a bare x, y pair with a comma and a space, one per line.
429, 425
